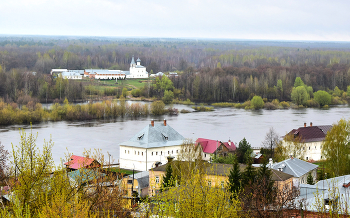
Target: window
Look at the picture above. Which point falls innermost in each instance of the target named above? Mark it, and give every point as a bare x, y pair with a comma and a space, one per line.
157, 179
142, 153
128, 152
309, 148
205, 155
125, 151
168, 152
315, 147
172, 152
177, 151
152, 153
209, 183
135, 152
138, 153
161, 153
222, 184
157, 153
321, 147
307, 158
129, 181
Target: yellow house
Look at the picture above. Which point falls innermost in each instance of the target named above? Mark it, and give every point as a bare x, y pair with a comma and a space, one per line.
135, 186
216, 175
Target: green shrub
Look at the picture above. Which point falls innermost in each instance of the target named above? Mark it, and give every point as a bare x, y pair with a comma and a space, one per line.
284, 105
168, 96
158, 108
312, 103
257, 102
136, 93
184, 111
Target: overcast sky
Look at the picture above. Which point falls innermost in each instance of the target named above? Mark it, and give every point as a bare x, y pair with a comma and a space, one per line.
230, 19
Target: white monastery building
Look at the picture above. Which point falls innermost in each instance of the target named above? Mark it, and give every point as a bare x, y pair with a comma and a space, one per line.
104, 74
136, 70
150, 147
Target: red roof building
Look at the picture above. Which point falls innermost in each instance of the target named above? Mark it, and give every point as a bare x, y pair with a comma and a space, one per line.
210, 146
77, 162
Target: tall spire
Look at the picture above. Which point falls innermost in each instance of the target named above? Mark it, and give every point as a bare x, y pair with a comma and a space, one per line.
132, 61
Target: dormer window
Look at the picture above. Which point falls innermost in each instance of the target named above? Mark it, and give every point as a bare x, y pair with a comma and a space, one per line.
140, 137
165, 137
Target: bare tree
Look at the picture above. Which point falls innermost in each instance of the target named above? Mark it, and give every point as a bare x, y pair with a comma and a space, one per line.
271, 141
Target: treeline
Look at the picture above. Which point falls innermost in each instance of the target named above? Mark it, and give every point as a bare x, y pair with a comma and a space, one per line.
22, 86
210, 70
271, 82
32, 112
43, 54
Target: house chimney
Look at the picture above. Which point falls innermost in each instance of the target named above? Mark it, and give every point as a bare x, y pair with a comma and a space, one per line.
152, 122
164, 122
291, 157
229, 142
270, 162
310, 123
304, 124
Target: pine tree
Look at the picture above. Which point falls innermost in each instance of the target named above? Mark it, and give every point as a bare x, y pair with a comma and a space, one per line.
168, 178
249, 174
310, 179
244, 151
234, 178
264, 175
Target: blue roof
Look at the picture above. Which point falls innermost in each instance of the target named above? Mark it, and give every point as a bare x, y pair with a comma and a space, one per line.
295, 167
155, 136
138, 60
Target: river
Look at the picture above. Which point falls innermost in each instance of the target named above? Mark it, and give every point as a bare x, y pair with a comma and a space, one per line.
220, 124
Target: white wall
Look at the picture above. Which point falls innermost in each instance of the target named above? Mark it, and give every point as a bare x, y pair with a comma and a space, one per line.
137, 72
135, 158
312, 150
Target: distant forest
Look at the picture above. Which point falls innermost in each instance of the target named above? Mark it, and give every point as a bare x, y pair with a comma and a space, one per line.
209, 70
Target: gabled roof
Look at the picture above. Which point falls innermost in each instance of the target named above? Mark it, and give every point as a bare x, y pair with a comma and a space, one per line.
279, 176
295, 167
311, 133
156, 136
209, 146
77, 162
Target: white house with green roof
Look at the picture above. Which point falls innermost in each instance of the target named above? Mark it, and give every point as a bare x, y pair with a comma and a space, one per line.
149, 147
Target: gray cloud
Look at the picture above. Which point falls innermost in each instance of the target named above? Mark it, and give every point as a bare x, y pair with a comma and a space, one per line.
263, 19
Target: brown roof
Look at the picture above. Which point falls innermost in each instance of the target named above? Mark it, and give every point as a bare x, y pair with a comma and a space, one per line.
280, 176
311, 133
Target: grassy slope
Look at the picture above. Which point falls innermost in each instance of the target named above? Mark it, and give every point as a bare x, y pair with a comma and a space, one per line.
129, 83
